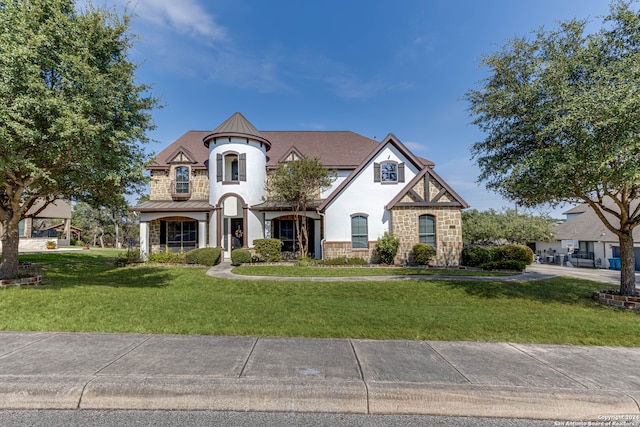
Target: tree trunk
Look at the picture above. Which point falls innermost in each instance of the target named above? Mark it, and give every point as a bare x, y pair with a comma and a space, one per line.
627, 264
10, 241
117, 244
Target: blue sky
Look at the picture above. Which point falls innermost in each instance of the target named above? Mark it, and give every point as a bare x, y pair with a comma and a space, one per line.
373, 67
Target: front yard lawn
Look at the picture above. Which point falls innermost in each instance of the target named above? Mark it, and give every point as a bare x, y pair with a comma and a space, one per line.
330, 271
84, 291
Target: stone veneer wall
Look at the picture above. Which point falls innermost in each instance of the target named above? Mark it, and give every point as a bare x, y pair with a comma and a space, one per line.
404, 223
343, 249
160, 185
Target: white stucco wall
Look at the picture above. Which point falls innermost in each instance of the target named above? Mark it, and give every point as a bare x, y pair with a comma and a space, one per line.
363, 195
341, 175
251, 190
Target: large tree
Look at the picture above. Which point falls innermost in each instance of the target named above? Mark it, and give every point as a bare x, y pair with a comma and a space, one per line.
71, 112
298, 183
561, 115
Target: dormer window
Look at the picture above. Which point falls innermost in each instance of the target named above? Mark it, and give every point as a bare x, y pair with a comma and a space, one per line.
389, 172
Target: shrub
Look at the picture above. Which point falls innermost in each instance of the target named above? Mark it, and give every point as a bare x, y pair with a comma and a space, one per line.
240, 256
343, 261
204, 256
269, 250
423, 253
129, 257
387, 248
512, 253
475, 256
168, 257
509, 264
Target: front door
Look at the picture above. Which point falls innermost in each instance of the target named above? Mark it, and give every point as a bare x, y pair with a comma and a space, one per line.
233, 235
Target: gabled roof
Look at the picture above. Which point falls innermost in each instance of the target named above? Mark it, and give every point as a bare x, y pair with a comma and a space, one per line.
292, 153
334, 149
389, 140
191, 141
588, 227
188, 157
237, 125
424, 200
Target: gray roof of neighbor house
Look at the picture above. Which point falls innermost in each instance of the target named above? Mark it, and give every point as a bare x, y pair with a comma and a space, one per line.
587, 226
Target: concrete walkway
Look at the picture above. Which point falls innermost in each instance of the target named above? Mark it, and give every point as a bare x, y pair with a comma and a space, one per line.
169, 372
129, 371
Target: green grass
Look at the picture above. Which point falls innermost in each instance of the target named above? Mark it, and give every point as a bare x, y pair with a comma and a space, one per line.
295, 271
84, 291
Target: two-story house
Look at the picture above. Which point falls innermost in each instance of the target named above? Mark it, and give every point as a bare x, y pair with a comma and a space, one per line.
208, 190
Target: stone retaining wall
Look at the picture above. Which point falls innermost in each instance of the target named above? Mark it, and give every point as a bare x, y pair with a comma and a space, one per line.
24, 281
621, 301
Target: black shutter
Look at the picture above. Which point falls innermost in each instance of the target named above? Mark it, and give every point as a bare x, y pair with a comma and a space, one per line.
219, 167
376, 172
242, 166
401, 172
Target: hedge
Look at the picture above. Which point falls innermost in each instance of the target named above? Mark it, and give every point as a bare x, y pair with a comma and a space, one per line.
240, 256
204, 256
269, 250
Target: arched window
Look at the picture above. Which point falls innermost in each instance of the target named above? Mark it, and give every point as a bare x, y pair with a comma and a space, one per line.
231, 167
182, 180
427, 229
359, 232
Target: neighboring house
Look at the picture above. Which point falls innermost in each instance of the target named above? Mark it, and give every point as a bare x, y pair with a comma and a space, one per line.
584, 241
32, 238
208, 189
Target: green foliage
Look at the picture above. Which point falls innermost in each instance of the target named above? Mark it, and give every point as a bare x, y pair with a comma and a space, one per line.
423, 253
130, 256
240, 256
507, 264
204, 256
475, 256
298, 183
488, 227
269, 250
67, 84
505, 257
167, 257
387, 248
343, 261
560, 112
519, 253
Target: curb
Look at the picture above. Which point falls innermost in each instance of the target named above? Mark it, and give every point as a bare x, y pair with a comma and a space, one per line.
321, 396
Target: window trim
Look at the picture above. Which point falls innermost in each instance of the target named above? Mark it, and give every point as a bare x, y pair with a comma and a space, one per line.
178, 188
425, 237
360, 235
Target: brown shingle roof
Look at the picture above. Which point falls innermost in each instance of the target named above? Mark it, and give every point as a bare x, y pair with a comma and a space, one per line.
334, 149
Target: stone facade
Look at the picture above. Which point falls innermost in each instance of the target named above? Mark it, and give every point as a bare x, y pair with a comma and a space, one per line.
404, 224
333, 250
162, 182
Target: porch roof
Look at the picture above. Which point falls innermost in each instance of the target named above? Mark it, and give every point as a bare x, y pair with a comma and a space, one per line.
284, 206
173, 206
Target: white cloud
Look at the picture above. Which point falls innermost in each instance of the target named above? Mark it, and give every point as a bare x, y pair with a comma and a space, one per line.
184, 16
